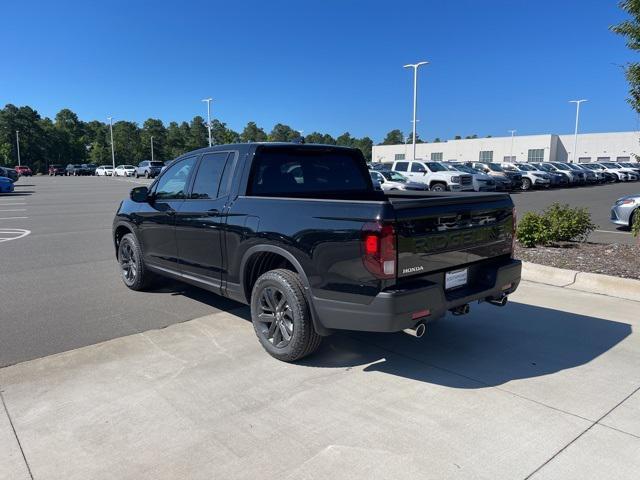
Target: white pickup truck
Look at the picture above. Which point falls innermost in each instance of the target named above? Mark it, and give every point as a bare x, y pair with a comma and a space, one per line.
437, 176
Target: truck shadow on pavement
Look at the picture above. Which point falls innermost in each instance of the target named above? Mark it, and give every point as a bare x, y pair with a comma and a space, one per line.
488, 347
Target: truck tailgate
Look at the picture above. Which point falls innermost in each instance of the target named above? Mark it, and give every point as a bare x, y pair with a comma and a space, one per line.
438, 232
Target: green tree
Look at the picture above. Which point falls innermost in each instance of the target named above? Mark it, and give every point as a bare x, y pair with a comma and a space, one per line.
418, 139
33, 142
222, 135
394, 137
154, 127
457, 137
630, 29
176, 139
5, 154
126, 139
283, 133
345, 140
320, 138
437, 140
253, 133
198, 136
365, 144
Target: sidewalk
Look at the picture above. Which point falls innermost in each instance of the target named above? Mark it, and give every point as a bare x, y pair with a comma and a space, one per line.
546, 388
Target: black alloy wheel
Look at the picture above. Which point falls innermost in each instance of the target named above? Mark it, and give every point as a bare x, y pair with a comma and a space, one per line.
275, 317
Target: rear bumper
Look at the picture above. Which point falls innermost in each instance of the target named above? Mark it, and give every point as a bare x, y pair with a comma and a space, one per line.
391, 311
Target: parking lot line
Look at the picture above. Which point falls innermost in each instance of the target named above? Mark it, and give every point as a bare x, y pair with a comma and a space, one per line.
14, 210
11, 218
611, 231
11, 204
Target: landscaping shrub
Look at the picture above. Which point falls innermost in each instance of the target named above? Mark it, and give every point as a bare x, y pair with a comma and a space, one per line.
558, 223
532, 230
635, 228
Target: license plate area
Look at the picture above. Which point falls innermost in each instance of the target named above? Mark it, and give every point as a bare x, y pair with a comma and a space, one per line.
456, 278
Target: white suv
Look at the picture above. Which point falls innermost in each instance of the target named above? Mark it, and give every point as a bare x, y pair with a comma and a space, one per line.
437, 176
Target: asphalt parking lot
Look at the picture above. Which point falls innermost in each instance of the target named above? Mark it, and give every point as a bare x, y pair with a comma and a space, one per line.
173, 383
60, 284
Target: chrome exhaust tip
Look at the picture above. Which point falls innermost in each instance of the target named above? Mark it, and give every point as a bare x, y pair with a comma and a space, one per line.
418, 331
461, 310
498, 302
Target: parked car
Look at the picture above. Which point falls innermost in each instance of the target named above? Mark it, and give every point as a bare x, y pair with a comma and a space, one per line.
621, 174
593, 176
55, 170
124, 171
607, 176
104, 171
148, 169
9, 173
74, 169
563, 177
632, 175
88, 169
531, 177
23, 170
625, 210
588, 177
319, 251
513, 179
6, 185
390, 181
481, 181
633, 166
381, 166
437, 176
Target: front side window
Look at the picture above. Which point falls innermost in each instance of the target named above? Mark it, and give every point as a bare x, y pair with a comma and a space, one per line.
402, 166
173, 184
417, 167
207, 181
535, 155
486, 156
436, 156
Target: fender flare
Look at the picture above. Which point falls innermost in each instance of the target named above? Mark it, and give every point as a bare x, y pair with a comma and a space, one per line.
320, 329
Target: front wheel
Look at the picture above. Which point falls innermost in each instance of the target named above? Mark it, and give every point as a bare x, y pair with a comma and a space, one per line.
281, 317
526, 184
133, 270
438, 187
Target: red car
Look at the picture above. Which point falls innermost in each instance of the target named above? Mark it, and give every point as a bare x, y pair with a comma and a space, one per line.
24, 171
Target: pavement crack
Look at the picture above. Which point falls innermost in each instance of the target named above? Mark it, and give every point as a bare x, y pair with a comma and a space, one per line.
15, 434
597, 422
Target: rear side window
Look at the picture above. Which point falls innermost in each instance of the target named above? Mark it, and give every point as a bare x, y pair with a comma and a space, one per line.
300, 171
401, 166
417, 167
207, 181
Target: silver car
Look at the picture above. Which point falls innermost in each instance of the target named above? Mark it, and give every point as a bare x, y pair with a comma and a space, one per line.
481, 181
625, 209
390, 180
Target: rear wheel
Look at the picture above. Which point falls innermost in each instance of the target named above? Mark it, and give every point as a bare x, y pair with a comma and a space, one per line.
146, 174
438, 187
526, 184
133, 271
281, 317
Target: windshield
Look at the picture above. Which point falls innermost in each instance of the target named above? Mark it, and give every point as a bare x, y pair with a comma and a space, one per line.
129, 166
494, 167
466, 169
545, 167
436, 167
156, 164
561, 166
574, 167
394, 176
610, 165
526, 168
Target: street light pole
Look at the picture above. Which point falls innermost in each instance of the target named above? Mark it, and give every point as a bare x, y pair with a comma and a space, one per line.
152, 149
511, 152
415, 67
208, 100
113, 152
18, 145
575, 134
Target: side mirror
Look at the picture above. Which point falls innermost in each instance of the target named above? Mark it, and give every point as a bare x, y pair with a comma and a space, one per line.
139, 194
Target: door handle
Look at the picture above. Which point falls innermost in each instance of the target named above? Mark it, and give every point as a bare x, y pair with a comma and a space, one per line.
214, 212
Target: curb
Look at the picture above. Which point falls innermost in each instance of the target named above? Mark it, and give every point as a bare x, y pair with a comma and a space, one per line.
625, 288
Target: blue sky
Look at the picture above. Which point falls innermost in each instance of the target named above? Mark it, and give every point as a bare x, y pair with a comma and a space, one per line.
331, 65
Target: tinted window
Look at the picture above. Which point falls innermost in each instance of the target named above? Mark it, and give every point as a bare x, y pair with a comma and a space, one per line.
402, 166
285, 171
142, 164
416, 167
207, 179
156, 164
173, 183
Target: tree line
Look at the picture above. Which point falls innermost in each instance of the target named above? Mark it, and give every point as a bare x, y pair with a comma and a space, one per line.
67, 139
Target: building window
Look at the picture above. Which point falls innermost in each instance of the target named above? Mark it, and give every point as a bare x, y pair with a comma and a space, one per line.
486, 156
535, 155
623, 159
584, 159
604, 159
399, 156
436, 156
510, 159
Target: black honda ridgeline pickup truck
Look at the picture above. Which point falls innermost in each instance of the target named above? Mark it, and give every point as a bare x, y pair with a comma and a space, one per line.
300, 234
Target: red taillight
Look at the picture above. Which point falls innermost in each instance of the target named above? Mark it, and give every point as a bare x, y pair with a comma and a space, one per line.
379, 249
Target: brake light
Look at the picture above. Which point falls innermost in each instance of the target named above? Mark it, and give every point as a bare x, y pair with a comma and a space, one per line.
379, 249
513, 231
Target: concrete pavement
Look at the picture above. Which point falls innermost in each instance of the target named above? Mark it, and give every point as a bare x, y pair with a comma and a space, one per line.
544, 388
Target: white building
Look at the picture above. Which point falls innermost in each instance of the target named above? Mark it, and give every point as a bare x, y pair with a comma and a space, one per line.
592, 147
